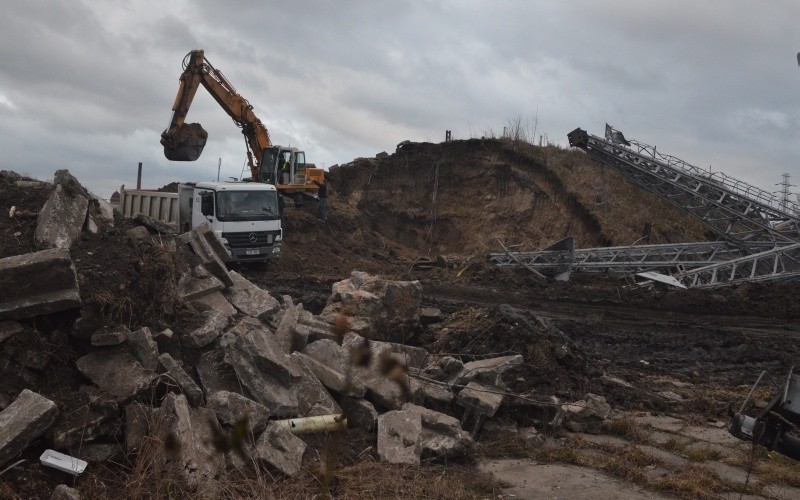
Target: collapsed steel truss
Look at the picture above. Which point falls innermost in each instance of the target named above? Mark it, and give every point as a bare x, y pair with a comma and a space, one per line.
628, 259
761, 231
735, 210
778, 264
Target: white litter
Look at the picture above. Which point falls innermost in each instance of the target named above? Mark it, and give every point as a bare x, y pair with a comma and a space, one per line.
64, 463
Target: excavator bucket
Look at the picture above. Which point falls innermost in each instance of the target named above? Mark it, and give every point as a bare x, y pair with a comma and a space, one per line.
185, 142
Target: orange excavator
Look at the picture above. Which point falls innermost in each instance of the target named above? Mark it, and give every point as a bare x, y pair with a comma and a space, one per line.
285, 167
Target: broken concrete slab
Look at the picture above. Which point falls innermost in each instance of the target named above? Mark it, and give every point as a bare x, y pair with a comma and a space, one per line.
280, 449
399, 434
333, 379
205, 243
185, 383
215, 374
232, 408
38, 283
442, 436
29, 416
195, 460
285, 332
489, 371
198, 283
360, 413
106, 212
479, 402
64, 492
116, 372
587, 415
431, 395
155, 224
144, 348
214, 323
268, 374
110, 336
374, 305
61, 219
312, 397
250, 299
215, 301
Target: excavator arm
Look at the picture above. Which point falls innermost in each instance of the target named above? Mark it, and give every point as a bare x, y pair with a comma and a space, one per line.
185, 141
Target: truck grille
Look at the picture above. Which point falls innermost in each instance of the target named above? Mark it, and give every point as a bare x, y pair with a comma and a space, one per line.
254, 239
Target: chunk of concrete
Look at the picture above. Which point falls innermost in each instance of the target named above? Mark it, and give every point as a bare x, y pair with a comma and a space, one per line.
442, 436
144, 348
489, 371
186, 384
195, 460
205, 243
196, 284
116, 372
374, 305
586, 415
262, 367
138, 233
106, 212
399, 437
215, 374
25, 419
250, 299
231, 408
64, 492
38, 283
215, 301
312, 397
279, 448
479, 402
155, 224
285, 332
60, 219
110, 336
214, 323
360, 413
333, 379
431, 395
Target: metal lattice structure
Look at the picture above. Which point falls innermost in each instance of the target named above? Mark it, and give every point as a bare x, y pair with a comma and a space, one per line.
623, 259
778, 264
734, 210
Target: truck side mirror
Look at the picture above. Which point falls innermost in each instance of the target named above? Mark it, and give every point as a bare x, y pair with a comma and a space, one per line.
207, 203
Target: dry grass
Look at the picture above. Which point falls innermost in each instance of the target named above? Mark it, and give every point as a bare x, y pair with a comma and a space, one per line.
627, 429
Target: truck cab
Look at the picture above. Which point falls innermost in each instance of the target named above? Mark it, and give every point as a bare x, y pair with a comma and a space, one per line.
245, 215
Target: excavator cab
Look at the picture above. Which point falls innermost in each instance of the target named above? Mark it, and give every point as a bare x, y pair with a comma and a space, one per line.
184, 142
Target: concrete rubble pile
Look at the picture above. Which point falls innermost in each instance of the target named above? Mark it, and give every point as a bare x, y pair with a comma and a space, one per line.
253, 358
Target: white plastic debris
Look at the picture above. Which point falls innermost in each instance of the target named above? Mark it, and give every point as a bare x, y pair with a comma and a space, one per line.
62, 462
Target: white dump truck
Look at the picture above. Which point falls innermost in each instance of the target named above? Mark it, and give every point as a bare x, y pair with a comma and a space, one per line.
245, 215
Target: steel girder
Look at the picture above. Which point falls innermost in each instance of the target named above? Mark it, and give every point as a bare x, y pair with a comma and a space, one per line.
732, 209
778, 264
627, 259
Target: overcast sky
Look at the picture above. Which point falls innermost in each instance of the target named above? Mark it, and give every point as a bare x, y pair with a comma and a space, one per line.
88, 85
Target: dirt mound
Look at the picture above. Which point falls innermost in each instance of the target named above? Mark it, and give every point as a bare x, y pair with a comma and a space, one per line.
553, 364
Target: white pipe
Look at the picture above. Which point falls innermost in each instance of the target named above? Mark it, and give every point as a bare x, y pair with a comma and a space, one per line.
319, 423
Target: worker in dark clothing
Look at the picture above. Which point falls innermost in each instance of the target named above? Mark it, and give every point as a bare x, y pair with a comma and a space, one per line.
322, 194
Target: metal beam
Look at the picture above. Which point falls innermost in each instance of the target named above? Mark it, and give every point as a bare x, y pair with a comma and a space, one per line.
778, 264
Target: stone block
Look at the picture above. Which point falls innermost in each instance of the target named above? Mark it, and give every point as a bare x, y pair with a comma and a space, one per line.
231, 408
110, 336
38, 283
399, 434
250, 299
61, 219
144, 348
116, 372
442, 436
185, 382
24, 420
262, 367
214, 323
312, 397
280, 449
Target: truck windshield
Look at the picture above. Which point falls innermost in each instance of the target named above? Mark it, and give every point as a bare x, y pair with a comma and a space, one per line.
247, 205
